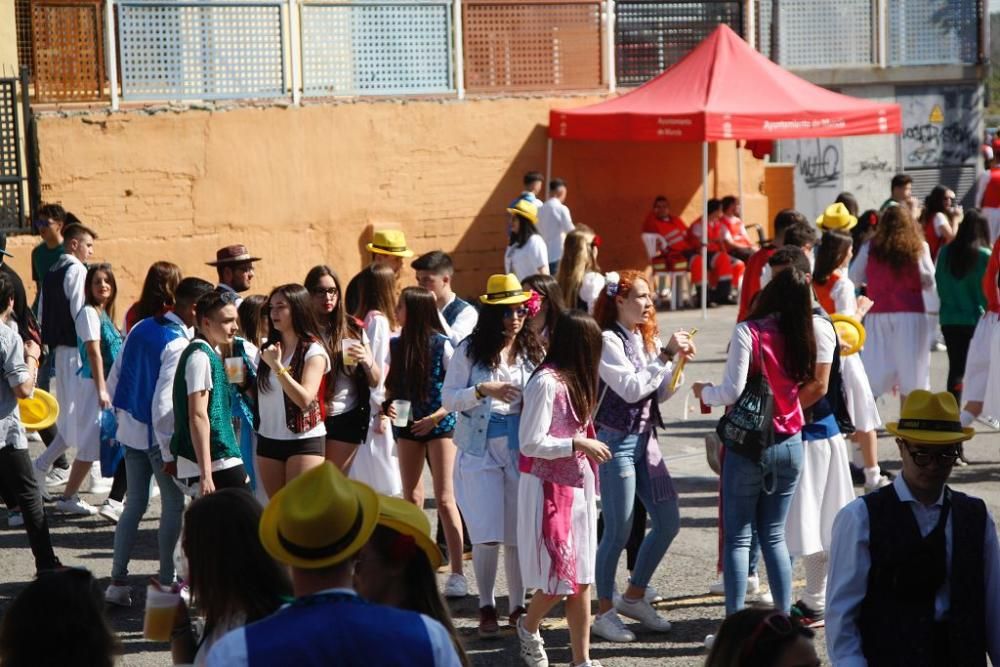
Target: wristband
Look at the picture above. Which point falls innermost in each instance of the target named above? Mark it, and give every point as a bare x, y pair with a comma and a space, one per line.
282, 371
479, 393
435, 419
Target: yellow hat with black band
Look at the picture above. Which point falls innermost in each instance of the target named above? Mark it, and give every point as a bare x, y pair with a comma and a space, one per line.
526, 210
836, 218
390, 242
850, 332
407, 519
39, 411
504, 290
930, 419
319, 519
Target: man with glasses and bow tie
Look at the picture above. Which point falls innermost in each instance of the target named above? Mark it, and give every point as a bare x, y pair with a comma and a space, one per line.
915, 567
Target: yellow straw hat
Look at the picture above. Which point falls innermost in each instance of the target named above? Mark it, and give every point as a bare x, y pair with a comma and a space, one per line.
407, 519
836, 218
390, 242
319, 519
504, 290
850, 332
930, 419
526, 210
39, 411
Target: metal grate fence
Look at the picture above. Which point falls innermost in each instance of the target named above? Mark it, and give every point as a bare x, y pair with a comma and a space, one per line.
532, 45
932, 32
377, 47
202, 50
22, 23
806, 27
67, 39
652, 35
12, 213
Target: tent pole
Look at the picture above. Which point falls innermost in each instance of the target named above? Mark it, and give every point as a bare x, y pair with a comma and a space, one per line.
704, 230
739, 176
548, 163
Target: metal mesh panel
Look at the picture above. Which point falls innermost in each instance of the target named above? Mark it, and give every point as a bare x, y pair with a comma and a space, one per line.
376, 48
11, 202
68, 50
201, 50
932, 32
529, 45
22, 21
651, 36
805, 29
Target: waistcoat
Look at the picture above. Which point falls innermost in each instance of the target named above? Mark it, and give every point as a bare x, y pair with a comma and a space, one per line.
894, 291
568, 470
222, 438
614, 413
58, 327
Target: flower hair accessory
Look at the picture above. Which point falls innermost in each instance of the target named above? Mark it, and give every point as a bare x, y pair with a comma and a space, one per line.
612, 283
534, 303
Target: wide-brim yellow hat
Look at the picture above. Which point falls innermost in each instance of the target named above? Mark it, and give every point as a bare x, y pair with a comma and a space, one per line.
837, 218
319, 519
38, 412
504, 290
526, 210
930, 419
850, 332
390, 242
407, 519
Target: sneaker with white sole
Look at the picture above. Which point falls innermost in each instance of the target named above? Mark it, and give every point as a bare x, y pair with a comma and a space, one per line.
98, 486
56, 477
40, 483
609, 626
120, 596
753, 586
456, 586
641, 611
74, 505
532, 646
652, 595
14, 519
111, 510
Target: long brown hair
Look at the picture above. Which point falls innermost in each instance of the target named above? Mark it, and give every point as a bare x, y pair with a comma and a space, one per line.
552, 300
579, 257
88, 296
487, 340
377, 291
230, 573
303, 323
422, 322
337, 325
830, 255
789, 297
606, 308
158, 290
574, 354
897, 241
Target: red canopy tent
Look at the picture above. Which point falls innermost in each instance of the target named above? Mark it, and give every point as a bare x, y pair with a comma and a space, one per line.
723, 90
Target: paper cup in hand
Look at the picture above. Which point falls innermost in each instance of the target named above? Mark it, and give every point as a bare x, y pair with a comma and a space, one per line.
402, 409
346, 346
161, 607
235, 372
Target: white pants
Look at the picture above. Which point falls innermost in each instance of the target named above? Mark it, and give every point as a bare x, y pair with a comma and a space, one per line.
897, 352
486, 491
991, 402
977, 366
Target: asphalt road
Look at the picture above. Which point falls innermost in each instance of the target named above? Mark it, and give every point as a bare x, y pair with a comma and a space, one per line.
683, 577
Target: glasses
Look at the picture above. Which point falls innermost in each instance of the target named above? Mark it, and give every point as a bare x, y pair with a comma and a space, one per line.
511, 313
778, 623
923, 459
324, 291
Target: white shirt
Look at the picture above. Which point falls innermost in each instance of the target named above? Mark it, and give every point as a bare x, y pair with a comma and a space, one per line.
134, 433
619, 373
457, 395
74, 285
860, 266
88, 325
850, 563
465, 322
198, 377
528, 259
554, 222
826, 340
845, 301
536, 419
379, 333
343, 398
231, 650
271, 403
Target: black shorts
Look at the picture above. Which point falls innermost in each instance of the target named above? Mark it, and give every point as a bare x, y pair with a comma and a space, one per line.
350, 426
230, 478
404, 434
282, 450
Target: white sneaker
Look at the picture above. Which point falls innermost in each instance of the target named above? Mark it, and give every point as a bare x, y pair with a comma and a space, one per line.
992, 422
111, 510
120, 596
456, 586
14, 519
753, 586
641, 611
73, 505
40, 483
532, 646
652, 595
709, 641
98, 486
609, 626
56, 477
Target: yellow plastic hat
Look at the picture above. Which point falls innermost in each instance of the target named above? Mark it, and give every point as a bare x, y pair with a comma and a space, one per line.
319, 519
406, 518
930, 419
504, 290
38, 412
526, 210
850, 332
836, 218
390, 242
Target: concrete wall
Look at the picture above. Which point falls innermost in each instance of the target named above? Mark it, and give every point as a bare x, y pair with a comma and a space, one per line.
307, 185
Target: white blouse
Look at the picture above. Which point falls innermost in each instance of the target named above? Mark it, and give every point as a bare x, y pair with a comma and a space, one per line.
528, 259
458, 395
619, 373
379, 333
536, 419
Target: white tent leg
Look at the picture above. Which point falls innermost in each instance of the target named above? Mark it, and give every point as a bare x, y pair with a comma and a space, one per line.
548, 163
704, 230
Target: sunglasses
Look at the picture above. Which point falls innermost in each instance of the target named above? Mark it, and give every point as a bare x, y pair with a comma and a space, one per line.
923, 459
515, 312
324, 291
778, 623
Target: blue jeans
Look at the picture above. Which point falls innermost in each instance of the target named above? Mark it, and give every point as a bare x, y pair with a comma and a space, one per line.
623, 478
140, 466
758, 495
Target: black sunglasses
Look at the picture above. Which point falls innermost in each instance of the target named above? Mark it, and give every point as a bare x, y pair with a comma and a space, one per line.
511, 312
923, 459
324, 291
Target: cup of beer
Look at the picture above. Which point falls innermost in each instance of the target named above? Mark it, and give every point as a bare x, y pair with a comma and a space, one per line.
235, 370
161, 607
402, 409
346, 345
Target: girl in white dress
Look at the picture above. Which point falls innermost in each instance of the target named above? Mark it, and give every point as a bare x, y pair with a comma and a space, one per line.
557, 509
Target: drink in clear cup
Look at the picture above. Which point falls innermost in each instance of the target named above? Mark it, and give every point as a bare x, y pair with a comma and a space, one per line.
402, 409
346, 345
235, 372
161, 606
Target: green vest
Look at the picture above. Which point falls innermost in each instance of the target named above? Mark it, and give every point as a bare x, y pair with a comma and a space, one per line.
222, 438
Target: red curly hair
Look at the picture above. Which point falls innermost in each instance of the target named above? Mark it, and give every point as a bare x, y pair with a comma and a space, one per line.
606, 308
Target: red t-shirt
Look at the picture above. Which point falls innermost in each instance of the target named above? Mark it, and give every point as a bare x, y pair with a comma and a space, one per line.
751, 279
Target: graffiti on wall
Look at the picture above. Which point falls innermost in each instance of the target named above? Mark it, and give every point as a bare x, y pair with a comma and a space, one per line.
819, 172
941, 126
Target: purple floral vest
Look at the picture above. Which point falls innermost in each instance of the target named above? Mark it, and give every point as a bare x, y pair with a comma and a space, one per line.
614, 413
568, 470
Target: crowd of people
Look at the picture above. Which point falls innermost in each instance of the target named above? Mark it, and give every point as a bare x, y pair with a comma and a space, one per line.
287, 435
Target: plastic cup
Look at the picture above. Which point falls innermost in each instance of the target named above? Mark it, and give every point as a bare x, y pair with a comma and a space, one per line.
235, 371
402, 409
346, 345
161, 607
